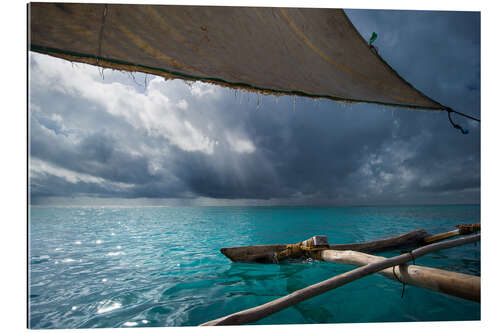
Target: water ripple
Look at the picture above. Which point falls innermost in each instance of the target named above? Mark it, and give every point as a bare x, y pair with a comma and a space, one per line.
131, 267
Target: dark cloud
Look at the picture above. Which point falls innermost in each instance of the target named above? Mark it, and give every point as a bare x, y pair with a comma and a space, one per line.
113, 138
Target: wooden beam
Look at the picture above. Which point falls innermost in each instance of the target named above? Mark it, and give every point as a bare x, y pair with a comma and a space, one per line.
462, 229
405, 240
266, 253
253, 253
264, 310
451, 283
444, 235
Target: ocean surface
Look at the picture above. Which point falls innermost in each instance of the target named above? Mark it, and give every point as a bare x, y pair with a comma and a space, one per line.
161, 266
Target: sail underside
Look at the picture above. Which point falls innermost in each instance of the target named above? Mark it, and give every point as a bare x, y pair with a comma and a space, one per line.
296, 51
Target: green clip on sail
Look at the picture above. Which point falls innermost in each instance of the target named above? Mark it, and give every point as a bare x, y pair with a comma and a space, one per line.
299, 51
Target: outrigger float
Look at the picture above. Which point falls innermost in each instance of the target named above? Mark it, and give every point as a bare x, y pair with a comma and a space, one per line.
417, 243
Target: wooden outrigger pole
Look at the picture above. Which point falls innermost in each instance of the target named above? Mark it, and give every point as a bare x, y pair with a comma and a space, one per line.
462, 229
267, 253
264, 310
272, 253
451, 283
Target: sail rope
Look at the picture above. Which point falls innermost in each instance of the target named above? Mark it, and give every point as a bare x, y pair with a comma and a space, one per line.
463, 130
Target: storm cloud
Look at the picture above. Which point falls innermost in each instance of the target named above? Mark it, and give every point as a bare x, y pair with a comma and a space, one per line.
114, 135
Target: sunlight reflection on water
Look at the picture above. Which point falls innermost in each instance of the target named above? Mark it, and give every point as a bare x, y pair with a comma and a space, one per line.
163, 266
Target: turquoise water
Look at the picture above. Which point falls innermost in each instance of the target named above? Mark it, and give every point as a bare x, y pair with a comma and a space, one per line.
161, 266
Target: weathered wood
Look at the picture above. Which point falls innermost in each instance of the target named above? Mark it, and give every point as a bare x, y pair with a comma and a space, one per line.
316, 241
266, 253
406, 240
444, 235
306, 248
462, 229
253, 253
261, 311
469, 228
451, 283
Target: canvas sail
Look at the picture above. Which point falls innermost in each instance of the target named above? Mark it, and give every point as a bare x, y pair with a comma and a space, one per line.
298, 51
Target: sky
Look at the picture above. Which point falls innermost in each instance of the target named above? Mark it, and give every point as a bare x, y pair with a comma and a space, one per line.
113, 138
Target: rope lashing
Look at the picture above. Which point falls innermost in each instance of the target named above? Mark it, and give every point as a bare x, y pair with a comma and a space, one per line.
292, 250
469, 228
299, 250
465, 229
396, 276
412, 257
308, 248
